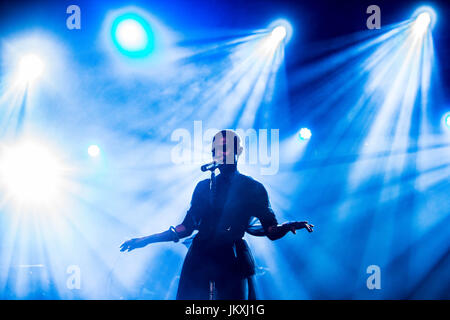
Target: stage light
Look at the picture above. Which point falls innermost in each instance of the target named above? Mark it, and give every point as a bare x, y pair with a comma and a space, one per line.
423, 19
422, 22
447, 120
94, 151
305, 134
30, 68
132, 35
279, 33
30, 173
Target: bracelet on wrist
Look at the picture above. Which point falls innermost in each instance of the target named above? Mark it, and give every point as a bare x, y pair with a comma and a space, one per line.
176, 238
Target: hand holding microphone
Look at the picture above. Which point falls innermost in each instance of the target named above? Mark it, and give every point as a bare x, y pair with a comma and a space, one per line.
209, 166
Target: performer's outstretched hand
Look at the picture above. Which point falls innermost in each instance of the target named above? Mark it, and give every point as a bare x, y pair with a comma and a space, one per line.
133, 244
296, 225
277, 232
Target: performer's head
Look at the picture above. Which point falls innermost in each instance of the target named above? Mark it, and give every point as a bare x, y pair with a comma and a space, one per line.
226, 149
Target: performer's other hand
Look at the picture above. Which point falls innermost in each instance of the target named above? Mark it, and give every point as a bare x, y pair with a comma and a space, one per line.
296, 225
133, 244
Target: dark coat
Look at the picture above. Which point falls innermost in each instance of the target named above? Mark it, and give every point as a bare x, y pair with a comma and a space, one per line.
218, 253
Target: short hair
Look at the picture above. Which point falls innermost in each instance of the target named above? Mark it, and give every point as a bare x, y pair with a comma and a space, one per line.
225, 134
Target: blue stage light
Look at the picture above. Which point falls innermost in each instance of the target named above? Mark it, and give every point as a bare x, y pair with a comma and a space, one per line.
94, 151
30, 173
422, 22
30, 68
305, 134
424, 19
132, 35
447, 120
281, 31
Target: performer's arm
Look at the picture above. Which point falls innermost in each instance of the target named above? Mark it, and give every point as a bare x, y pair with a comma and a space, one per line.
184, 229
270, 225
173, 234
276, 232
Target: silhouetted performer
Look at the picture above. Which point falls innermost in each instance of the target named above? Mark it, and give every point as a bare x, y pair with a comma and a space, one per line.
219, 264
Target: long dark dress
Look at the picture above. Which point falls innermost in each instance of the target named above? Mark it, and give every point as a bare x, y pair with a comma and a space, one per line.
218, 254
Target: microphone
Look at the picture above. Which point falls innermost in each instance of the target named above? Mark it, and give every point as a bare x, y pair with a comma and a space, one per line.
209, 166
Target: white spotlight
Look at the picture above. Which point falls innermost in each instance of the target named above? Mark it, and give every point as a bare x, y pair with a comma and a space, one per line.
422, 23
131, 35
279, 33
30, 173
93, 151
305, 134
30, 68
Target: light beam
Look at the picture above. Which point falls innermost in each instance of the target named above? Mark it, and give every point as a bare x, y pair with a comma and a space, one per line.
30, 173
31, 67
